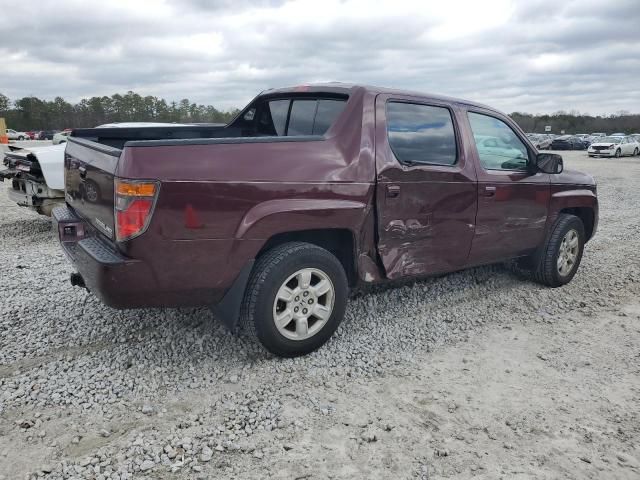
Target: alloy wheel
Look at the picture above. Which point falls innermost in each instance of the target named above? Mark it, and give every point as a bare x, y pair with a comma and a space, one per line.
568, 252
303, 304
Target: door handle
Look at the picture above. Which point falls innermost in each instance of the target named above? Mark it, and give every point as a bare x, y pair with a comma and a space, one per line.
393, 191
489, 191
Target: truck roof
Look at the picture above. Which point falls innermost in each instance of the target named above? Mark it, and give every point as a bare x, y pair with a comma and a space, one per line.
346, 88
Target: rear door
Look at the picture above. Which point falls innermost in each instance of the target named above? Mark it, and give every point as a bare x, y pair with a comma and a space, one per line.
426, 190
512, 201
89, 181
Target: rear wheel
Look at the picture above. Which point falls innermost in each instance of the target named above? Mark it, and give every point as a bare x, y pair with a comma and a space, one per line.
295, 299
558, 262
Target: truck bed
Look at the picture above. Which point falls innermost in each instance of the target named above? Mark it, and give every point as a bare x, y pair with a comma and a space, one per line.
117, 137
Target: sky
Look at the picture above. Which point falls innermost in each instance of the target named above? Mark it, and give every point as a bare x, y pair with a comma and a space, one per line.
536, 56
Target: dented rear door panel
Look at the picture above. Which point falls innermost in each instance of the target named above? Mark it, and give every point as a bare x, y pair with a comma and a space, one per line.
426, 213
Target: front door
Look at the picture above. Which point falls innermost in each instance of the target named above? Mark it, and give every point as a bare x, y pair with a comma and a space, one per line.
426, 190
512, 200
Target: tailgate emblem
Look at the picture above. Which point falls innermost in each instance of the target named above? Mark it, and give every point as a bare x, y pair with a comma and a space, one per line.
106, 229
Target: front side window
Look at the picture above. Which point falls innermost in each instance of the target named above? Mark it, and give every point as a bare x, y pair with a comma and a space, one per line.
499, 148
421, 134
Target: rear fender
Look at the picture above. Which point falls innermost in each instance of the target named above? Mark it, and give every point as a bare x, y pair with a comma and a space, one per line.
288, 215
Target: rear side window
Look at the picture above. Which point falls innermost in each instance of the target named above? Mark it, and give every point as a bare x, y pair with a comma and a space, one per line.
421, 134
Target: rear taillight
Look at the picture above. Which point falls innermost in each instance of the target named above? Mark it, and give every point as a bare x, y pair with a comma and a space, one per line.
134, 202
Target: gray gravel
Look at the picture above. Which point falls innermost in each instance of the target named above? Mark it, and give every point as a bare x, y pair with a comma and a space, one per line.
91, 392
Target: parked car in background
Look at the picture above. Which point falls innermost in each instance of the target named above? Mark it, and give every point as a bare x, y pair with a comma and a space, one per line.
31, 135
495, 149
14, 135
540, 140
47, 134
618, 134
61, 137
567, 142
599, 134
310, 191
636, 137
614, 146
586, 139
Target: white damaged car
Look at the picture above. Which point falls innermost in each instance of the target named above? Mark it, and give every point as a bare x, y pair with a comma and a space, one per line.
36, 176
614, 146
37, 173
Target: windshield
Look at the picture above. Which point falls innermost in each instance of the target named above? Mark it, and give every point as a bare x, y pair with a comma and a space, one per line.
610, 140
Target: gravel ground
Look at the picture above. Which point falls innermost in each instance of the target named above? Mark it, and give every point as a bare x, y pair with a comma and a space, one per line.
475, 374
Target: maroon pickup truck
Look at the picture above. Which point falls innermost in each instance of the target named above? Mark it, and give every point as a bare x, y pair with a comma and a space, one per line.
308, 192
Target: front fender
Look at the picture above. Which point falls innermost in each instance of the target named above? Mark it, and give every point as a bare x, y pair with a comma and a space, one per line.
580, 197
289, 215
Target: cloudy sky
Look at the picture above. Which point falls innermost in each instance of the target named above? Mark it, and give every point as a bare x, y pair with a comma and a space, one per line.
537, 56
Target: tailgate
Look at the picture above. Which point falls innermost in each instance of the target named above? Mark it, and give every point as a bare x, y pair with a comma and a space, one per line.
89, 169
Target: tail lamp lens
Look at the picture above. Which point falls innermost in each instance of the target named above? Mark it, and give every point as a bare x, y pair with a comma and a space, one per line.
134, 202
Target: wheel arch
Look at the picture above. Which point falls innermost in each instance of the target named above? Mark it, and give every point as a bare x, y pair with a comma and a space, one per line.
332, 224
341, 242
586, 215
583, 203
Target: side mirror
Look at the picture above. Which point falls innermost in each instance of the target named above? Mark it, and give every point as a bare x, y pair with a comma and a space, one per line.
549, 163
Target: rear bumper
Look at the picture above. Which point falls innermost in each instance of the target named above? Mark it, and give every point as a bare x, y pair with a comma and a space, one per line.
123, 282
118, 281
29, 193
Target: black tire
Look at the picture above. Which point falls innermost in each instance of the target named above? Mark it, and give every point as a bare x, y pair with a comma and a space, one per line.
635, 152
546, 271
618, 153
269, 273
20, 137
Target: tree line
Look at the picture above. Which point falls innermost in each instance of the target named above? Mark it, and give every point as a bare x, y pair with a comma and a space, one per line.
32, 113
574, 122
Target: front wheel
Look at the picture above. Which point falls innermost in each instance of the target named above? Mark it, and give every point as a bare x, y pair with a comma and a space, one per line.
618, 153
20, 137
635, 152
295, 299
560, 258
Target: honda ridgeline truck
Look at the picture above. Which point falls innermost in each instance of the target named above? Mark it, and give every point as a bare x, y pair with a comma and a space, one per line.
308, 192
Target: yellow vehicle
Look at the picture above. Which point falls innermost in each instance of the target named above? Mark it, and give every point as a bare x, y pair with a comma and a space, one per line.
3, 131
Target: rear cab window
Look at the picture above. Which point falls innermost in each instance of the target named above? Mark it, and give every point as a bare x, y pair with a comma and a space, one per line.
292, 116
421, 134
